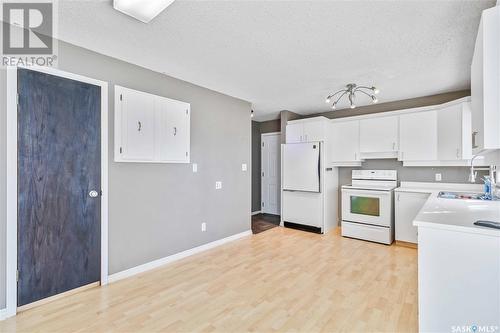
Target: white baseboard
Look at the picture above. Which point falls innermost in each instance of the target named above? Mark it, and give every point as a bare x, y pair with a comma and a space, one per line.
3, 314
174, 257
256, 212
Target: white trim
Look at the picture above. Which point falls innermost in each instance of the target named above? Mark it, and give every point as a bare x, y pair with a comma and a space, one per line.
174, 257
256, 212
3, 314
11, 234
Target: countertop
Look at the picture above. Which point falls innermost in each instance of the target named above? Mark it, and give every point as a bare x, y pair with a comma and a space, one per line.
453, 214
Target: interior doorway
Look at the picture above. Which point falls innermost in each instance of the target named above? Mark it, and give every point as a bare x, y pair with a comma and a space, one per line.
270, 173
57, 211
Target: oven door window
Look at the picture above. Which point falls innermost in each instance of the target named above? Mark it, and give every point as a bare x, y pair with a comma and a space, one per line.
365, 205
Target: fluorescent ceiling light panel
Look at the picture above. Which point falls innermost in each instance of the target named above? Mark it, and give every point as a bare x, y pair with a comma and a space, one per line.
143, 10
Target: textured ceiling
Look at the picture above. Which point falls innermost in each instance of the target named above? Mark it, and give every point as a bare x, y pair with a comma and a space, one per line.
288, 55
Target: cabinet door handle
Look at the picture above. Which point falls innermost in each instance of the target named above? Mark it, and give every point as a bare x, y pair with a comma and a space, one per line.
175, 131
355, 156
139, 126
458, 153
474, 144
393, 145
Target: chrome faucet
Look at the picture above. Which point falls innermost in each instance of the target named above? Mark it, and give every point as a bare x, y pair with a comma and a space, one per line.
473, 173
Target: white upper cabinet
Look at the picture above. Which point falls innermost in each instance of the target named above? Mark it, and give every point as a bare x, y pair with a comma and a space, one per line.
418, 136
379, 137
485, 82
150, 128
294, 132
314, 130
306, 130
137, 125
454, 128
173, 138
344, 139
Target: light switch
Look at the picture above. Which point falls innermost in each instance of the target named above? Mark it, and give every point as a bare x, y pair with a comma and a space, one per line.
195, 167
218, 185
244, 167
438, 177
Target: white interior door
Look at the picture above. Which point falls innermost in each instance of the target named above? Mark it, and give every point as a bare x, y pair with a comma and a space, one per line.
270, 167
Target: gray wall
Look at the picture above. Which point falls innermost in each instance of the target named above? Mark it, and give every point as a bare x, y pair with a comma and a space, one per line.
156, 210
257, 129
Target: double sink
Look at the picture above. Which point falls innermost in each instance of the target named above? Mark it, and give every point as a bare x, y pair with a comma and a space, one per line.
463, 196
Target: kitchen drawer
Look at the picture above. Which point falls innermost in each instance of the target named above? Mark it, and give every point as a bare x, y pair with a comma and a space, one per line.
368, 232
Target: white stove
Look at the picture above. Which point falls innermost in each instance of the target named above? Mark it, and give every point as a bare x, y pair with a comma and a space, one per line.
368, 205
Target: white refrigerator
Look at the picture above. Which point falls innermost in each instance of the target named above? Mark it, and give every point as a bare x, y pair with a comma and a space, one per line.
302, 167
303, 186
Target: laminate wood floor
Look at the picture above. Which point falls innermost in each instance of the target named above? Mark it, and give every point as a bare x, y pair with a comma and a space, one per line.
278, 280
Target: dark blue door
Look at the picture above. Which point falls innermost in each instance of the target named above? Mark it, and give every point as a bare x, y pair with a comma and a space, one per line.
59, 163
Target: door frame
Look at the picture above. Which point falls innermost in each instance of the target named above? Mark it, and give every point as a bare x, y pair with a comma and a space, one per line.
12, 168
262, 135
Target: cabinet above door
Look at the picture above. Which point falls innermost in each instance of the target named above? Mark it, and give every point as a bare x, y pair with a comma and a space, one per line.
150, 128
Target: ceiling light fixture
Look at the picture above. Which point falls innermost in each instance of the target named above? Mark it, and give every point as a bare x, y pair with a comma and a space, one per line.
351, 90
142, 10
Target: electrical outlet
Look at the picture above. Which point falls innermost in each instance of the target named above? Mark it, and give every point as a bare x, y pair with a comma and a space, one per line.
438, 177
203, 227
195, 167
218, 185
244, 167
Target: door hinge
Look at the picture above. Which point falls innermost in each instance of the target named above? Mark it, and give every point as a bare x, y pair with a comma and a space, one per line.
18, 97
262, 173
187, 112
263, 204
121, 97
186, 154
17, 275
262, 144
121, 150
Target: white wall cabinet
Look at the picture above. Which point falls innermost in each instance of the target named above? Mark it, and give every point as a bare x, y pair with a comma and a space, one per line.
418, 136
454, 128
294, 132
379, 137
150, 128
306, 130
344, 149
485, 82
407, 207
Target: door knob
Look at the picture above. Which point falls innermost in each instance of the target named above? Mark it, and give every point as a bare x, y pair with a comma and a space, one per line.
93, 194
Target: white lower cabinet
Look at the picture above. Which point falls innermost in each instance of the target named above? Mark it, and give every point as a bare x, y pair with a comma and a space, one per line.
408, 204
150, 128
458, 281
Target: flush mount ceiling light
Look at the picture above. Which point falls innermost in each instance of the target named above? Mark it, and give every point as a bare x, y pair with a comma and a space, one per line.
351, 90
142, 10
